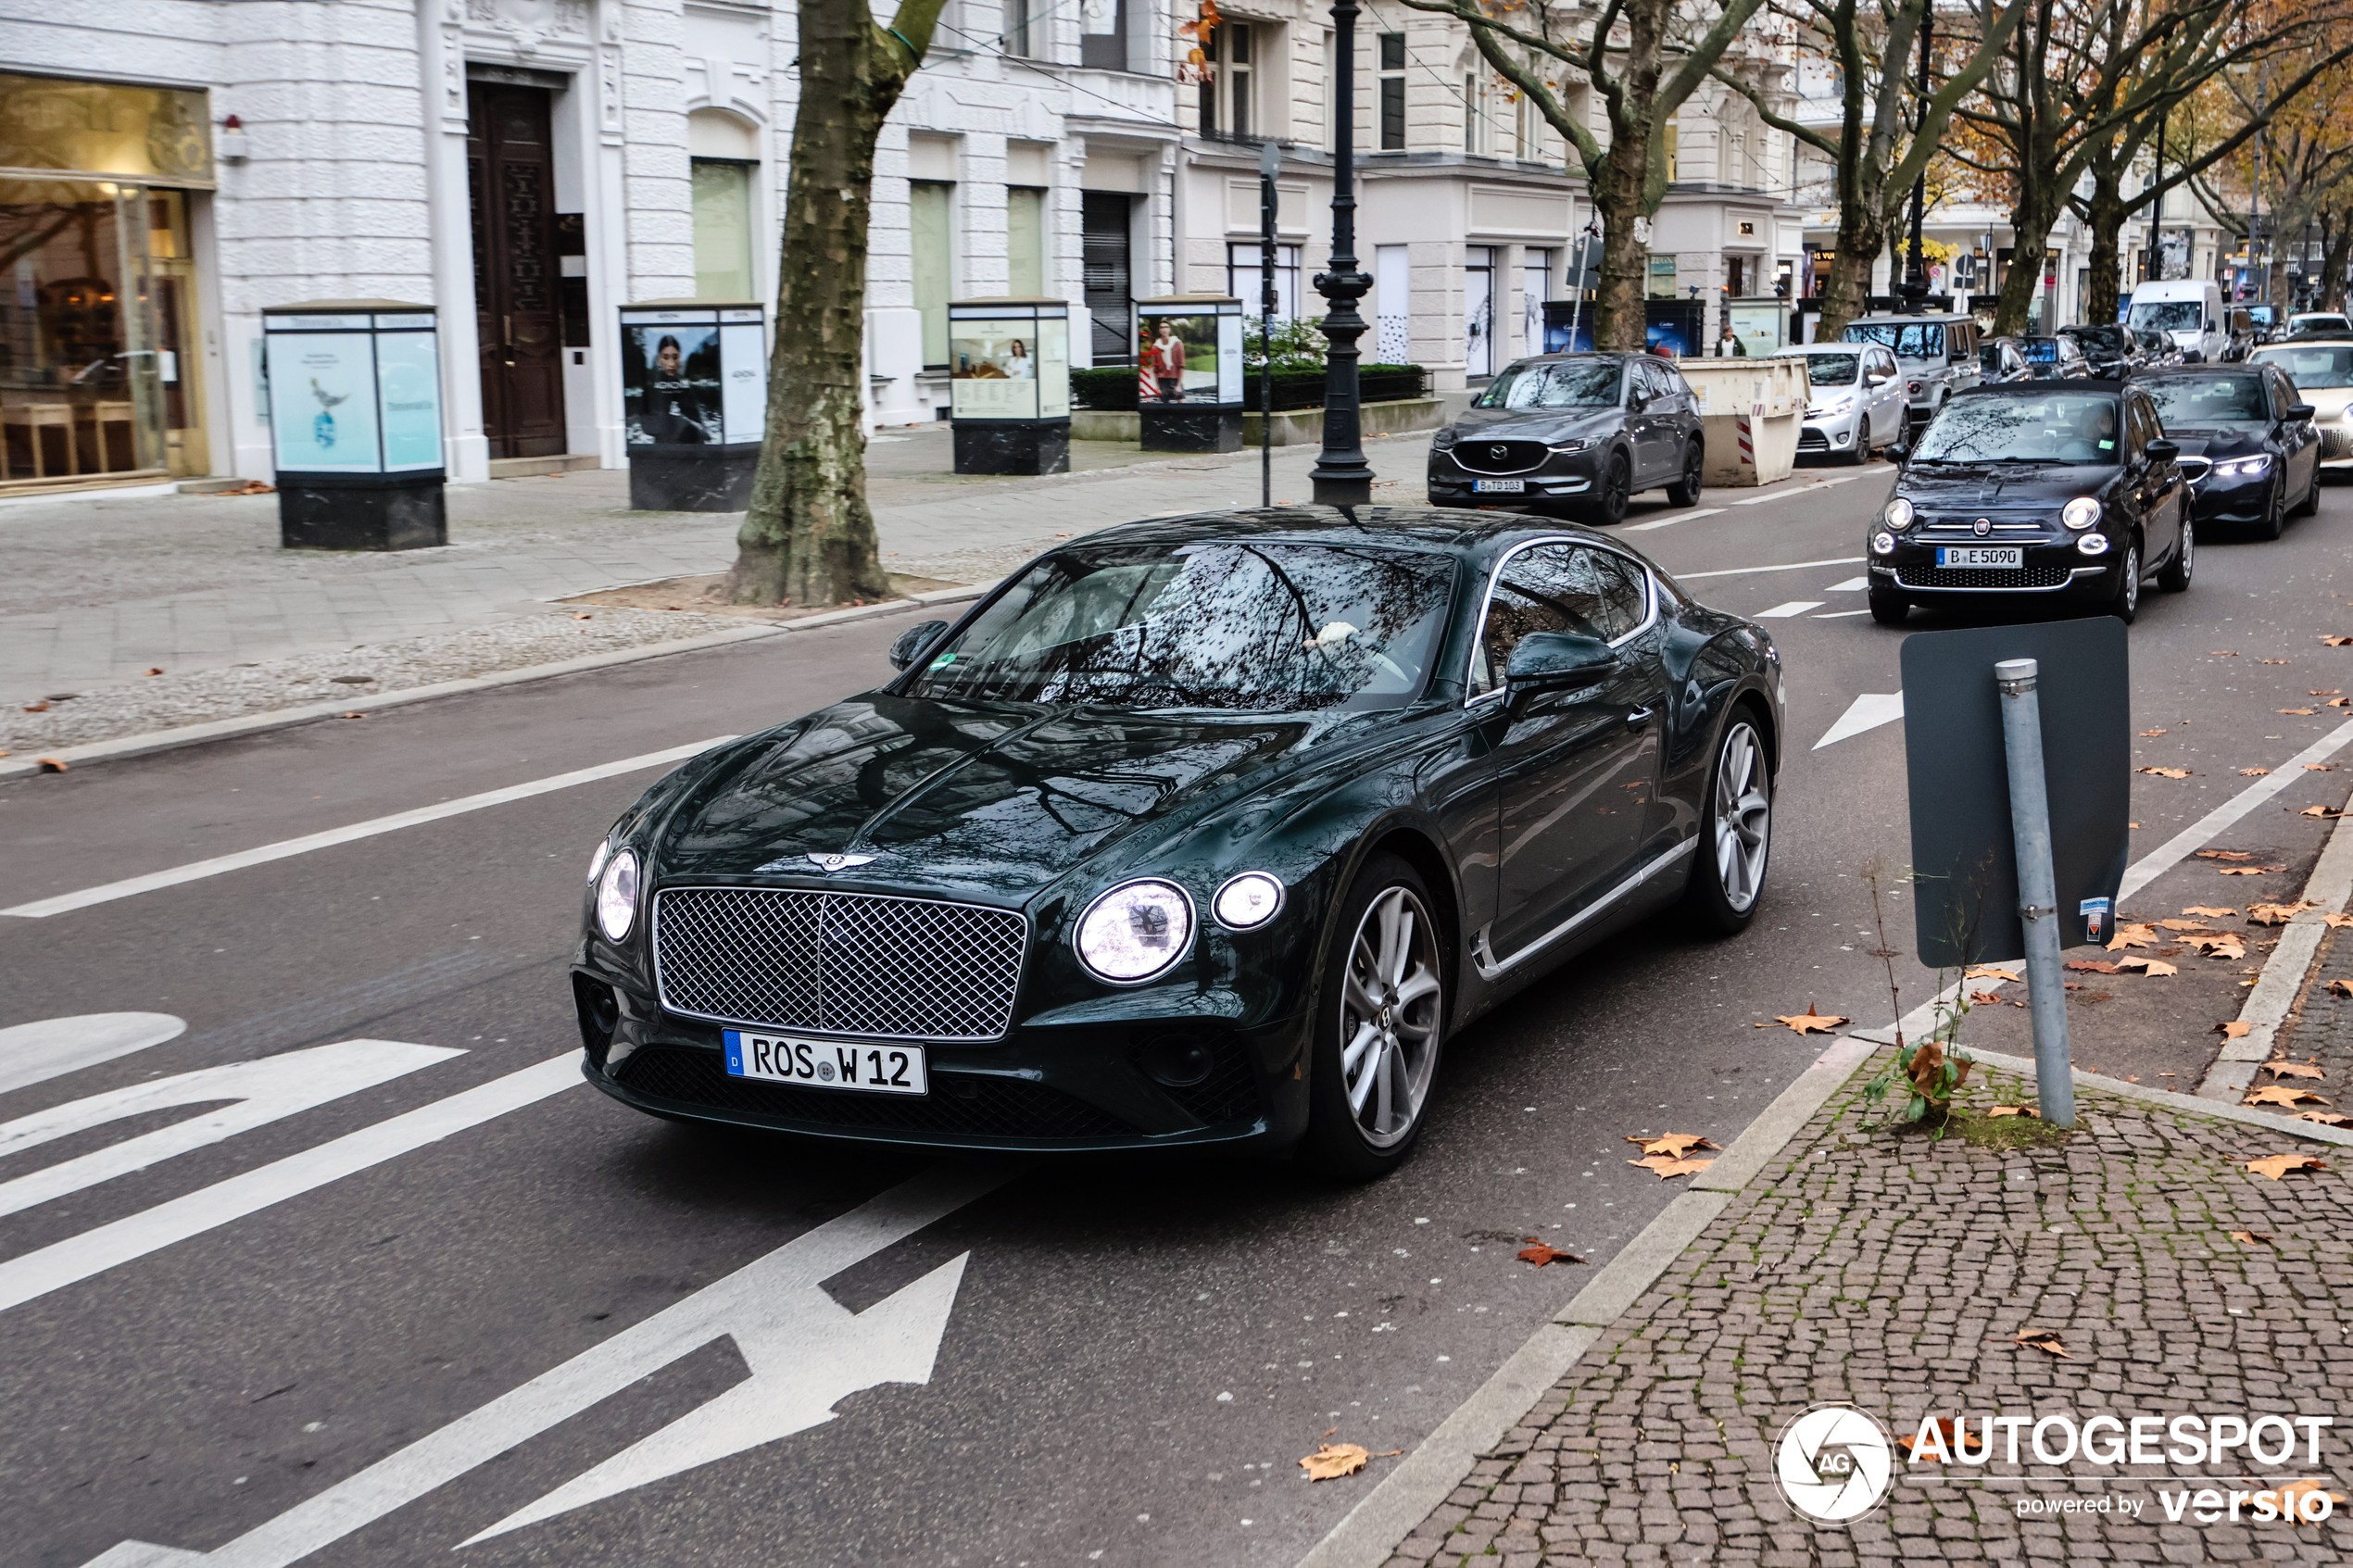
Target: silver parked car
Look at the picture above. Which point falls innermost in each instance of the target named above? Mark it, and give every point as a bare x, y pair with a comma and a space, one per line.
1938, 353
1854, 398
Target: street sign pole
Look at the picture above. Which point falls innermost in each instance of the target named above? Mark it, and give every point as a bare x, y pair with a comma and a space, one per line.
2037, 888
1270, 163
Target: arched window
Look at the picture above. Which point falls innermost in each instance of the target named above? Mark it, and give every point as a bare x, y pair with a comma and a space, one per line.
724, 153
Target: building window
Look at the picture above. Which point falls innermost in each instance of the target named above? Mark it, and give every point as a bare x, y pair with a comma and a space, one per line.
1536, 288
1478, 310
1228, 98
1021, 36
1662, 277
931, 222
1025, 241
723, 229
1102, 41
1105, 224
1331, 129
1392, 90
1242, 259
1527, 130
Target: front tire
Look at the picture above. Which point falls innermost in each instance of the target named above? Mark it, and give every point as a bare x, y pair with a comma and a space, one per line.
1607, 509
2311, 502
2274, 519
1379, 1022
1736, 832
1889, 608
1684, 492
2126, 605
2175, 577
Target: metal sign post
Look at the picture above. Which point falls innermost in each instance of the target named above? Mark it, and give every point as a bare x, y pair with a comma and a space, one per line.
2037, 888
1270, 163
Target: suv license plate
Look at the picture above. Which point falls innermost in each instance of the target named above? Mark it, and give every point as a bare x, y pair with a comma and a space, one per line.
1499, 486
827, 1064
1999, 557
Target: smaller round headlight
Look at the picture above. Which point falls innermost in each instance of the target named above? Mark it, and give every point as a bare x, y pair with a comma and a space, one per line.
2081, 512
1135, 931
617, 896
1882, 544
596, 861
2092, 544
1898, 515
1248, 900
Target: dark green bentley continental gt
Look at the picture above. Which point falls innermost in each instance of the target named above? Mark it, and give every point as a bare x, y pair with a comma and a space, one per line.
1202, 831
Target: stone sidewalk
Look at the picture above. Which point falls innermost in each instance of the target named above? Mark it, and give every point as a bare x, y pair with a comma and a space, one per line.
1896, 1273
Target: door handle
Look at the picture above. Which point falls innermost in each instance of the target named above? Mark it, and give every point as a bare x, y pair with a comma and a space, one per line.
1637, 717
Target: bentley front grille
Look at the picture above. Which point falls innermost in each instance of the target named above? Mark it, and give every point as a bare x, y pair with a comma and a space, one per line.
839, 963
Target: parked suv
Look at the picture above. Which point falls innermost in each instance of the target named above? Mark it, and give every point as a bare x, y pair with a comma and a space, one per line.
1938, 353
1573, 432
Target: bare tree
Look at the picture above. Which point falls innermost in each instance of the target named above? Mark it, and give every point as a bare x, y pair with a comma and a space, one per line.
809, 536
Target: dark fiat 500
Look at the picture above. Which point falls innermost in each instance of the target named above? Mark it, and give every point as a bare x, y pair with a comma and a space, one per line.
1575, 434
1198, 832
2064, 488
2249, 448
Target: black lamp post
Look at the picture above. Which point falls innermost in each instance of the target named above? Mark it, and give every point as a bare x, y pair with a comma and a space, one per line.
1342, 476
1916, 267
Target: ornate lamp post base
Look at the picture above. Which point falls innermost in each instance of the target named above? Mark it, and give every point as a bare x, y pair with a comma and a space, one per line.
1341, 476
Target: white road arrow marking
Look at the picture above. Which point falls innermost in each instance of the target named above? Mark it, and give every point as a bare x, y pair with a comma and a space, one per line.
1865, 712
806, 1352
262, 1092
1784, 611
33, 1053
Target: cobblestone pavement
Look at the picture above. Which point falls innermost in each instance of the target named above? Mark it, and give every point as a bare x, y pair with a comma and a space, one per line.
1895, 1273
2320, 1029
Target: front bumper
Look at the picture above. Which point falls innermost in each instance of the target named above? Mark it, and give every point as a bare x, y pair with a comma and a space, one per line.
1063, 1087
1835, 431
2052, 567
2246, 499
1561, 476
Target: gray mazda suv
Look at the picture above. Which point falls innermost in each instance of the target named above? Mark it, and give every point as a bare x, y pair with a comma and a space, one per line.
1572, 433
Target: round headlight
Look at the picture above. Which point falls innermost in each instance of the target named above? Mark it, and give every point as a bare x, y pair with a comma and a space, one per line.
596, 861
1249, 900
1898, 515
1882, 544
617, 896
2092, 544
1134, 931
2081, 512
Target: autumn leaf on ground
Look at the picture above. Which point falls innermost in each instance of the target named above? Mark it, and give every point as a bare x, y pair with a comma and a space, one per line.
2251, 870
2341, 702
2277, 914
2166, 773
1991, 999
2278, 1165
2226, 853
1668, 1166
2319, 767
1809, 1022
1993, 972
2283, 1069
2330, 692
2253, 1238
2236, 1029
2336, 642
2211, 911
2133, 933
2222, 653
1675, 1144
1956, 1436
2253, 773
2014, 1111
2324, 812
1536, 1252
2281, 1094
2221, 946
2305, 712
1335, 1459
2325, 1118
2335, 921
2146, 734
2155, 968
2289, 1499
50, 764
2043, 1339
2275, 661
2091, 966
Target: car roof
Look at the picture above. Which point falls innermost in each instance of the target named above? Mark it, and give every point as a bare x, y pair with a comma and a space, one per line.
1438, 529
2177, 372
1939, 318
2043, 388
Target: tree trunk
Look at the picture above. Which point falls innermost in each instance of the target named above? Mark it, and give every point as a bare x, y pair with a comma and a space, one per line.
809, 536
2104, 280
1861, 237
2336, 248
2031, 223
1622, 195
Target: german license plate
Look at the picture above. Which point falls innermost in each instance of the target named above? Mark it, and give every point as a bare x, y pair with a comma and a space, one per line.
1499, 486
1999, 557
827, 1064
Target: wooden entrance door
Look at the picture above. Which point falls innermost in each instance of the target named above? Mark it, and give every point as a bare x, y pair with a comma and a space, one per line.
517, 309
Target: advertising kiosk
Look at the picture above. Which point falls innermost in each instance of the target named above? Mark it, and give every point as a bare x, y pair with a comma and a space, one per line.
355, 424
1009, 385
693, 402
1188, 372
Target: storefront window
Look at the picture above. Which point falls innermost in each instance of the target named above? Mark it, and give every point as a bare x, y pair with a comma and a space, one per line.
723, 229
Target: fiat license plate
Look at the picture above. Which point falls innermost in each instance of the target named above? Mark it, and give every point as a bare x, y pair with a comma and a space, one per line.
1499, 486
827, 1064
1999, 557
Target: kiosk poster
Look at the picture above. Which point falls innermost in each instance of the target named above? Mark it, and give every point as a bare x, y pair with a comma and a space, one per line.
1179, 355
1053, 368
670, 388
744, 355
409, 372
993, 370
323, 402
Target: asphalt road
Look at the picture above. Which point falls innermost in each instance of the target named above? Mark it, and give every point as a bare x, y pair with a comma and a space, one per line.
400, 1295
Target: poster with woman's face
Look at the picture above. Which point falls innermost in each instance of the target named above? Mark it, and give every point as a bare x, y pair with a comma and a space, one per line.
992, 370
670, 387
1182, 353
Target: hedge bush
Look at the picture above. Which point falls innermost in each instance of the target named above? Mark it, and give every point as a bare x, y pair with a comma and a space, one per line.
1113, 388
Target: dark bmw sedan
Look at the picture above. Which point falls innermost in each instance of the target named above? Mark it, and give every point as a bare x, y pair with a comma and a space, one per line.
1203, 832
1574, 435
2067, 489
2249, 448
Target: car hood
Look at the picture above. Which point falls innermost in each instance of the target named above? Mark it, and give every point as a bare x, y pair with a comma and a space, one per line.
992, 801
1536, 424
2001, 484
2218, 441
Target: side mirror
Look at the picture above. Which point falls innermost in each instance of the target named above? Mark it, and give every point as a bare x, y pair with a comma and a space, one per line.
2162, 451
1547, 660
1897, 452
914, 641
2298, 413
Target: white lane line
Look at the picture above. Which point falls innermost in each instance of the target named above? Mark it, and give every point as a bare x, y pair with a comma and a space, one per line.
1730, 571
1801, 490
1841, 614
1851, 585
805, 1352
1672, 521
51, 1047
34, 1275
1868, 711
2166, 856
1784, 611
40, 908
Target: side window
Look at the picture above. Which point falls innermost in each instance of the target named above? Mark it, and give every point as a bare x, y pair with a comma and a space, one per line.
1558, 588
1658, 381
2139, 428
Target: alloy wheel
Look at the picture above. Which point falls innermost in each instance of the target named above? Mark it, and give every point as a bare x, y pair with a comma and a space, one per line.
1391, 1010
1744, 817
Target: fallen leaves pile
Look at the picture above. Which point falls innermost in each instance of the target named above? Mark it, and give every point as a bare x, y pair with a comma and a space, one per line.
1669, 1154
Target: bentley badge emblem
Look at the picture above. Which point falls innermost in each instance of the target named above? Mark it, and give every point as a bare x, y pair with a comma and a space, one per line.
832, 863
1984, 526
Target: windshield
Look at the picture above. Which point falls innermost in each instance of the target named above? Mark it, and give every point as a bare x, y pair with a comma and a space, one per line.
2039, 350
2319, 326
1911, 340
2062, 428
1833, 369
2260, 314
2100, 340
1232, 627
2322, 365
1555, 383
2168, 315
2190, 401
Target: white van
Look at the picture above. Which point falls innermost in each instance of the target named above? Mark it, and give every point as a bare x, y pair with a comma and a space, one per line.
2190, 313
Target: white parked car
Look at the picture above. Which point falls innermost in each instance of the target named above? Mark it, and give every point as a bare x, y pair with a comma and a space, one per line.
2322, 371
2188, 311
1854, 404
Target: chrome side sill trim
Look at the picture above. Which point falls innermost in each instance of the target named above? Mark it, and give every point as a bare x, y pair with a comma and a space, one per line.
1490, 966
